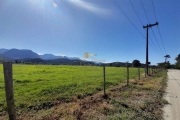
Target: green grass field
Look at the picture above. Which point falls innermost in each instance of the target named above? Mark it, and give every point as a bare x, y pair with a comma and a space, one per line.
38, 84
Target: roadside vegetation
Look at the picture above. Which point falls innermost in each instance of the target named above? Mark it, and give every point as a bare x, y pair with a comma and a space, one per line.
141, 100
168, 65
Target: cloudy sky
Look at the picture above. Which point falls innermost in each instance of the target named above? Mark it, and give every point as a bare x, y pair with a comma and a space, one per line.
112, 29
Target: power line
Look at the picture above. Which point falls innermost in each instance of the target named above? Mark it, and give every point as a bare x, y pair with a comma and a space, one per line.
122, 11
161, 40
153, 43
151, 29
145, 11
156, 40
119, 7
141, 22
158, 26
154, 10
136, 12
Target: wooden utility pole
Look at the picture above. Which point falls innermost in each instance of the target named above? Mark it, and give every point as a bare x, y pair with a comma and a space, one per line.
147, 27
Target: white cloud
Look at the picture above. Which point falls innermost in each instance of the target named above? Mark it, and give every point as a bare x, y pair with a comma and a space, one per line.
59, 55
40, 53
54, 4
90, 7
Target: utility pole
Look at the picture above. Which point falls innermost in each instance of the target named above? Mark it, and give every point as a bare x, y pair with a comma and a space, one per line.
147, 27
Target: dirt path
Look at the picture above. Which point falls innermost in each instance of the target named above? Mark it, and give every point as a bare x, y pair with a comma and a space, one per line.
172, 110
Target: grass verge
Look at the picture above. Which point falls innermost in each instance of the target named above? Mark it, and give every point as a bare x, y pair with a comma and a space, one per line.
141, 100
36, 86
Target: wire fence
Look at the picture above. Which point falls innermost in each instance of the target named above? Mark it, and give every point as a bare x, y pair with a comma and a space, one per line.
36, 85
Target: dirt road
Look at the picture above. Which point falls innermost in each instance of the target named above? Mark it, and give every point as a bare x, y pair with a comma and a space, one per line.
172, 110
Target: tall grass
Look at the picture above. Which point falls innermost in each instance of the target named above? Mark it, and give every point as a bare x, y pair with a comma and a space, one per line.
37, 84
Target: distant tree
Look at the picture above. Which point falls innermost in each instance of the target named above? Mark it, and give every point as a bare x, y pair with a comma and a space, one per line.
178, 58
117, 64
162, 64
177, 65
173, 66
167, 65
166, 57
136, 63
110, 64
16, 61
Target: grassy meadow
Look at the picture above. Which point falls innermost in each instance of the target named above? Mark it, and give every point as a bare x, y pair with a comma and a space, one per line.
38, 84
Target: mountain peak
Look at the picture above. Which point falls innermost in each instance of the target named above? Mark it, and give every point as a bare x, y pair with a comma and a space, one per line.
15, 53
2, 50
20, 54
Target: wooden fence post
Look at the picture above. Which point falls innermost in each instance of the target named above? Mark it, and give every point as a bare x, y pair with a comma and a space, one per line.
145, 71
127, 75
104, 75
138, 72
7, 66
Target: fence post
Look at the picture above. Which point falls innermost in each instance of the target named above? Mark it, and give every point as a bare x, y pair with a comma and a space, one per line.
145, 71
7, 66
138, 72
127, 75
156, 70
104, 75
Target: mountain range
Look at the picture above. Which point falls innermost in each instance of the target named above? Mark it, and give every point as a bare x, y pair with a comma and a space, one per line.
30, 57
17, 54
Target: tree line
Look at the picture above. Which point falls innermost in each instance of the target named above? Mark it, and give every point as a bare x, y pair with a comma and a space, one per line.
167, 64
177, 64
135, 63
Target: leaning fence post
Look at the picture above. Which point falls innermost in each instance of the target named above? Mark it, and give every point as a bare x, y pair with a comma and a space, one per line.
127, 83
7, 66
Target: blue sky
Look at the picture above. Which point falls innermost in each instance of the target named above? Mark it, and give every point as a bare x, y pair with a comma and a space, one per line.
72, 27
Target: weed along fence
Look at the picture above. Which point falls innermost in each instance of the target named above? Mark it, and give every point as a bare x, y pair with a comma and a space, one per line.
36, 86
